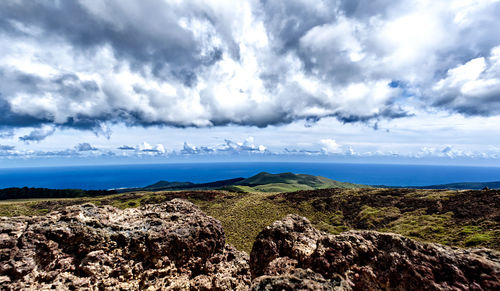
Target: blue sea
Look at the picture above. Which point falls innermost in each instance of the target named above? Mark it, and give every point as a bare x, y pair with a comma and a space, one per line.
139, 175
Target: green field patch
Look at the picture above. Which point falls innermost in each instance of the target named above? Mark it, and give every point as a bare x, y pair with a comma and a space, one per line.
281, 187
243, 214
372, 217
21, 209
478, 239
417, 224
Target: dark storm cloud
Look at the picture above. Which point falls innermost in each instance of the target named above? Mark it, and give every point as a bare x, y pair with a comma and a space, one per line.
149, 35
86, 64
67, 91
9, 118
304, 27
67, 87
483, 104
288, 21
365, 8
37, 135
472, 88
389, 112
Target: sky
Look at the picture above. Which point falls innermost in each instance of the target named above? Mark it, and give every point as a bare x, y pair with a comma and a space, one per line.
156, 81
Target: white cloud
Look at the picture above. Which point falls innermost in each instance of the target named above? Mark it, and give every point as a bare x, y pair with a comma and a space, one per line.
337, 40
221, 63
7, 147
235, 67
229, 147
147, 148
246, 146
83, 147
190, 149
473, 87
330, 146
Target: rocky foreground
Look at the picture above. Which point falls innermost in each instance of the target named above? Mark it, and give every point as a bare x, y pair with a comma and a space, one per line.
175, 246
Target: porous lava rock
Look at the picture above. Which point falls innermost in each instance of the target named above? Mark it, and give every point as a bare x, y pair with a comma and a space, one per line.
175, 246
291, 254
169, 246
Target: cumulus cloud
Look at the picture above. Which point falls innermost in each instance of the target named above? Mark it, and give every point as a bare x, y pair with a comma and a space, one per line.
143, 148
6, 147
247, 146
6, 133
350, 151
252, 63
472, 88
147, 148
330, 146
229, 147
38, 134
190, 149
450, 151
85, 147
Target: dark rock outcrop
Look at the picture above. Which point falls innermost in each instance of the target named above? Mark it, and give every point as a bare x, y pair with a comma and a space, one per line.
170, 245
291, 254
174, 246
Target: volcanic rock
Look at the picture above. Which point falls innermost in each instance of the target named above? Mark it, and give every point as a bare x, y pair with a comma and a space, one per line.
171, 246
175, 246
290, 254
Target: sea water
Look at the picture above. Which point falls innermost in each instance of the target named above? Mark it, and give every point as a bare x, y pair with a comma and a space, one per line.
140, 175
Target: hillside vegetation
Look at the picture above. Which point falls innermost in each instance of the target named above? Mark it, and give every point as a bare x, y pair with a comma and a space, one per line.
287, 182
262, 182
463, 186
29, 193
455, 218
166, 185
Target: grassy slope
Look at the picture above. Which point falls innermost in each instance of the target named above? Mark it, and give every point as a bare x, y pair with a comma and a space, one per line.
288, 182
262, 182
456, 218
165, 184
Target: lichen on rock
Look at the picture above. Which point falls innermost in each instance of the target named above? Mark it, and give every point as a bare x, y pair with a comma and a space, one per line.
172, 245
365, 260
175, 246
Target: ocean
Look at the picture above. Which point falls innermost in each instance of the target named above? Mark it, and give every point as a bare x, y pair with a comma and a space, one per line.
140, 175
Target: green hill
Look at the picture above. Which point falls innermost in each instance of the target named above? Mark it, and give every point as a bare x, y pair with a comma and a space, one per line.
262, 182
166, 184
287, 182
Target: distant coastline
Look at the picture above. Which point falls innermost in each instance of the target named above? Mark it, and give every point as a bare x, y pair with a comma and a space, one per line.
130, 176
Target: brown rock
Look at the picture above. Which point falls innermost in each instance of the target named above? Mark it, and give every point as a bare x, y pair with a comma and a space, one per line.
174, 246
364, 260
298, 279
166, 246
